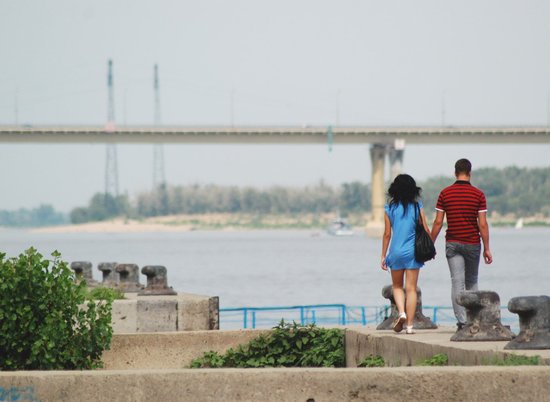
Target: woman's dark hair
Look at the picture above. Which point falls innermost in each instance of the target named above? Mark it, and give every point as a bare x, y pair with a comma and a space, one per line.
404, 191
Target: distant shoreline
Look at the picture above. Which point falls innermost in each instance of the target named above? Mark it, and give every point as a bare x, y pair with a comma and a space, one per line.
237, 222
217, 222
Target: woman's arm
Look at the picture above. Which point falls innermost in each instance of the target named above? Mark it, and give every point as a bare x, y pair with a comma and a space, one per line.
424, 220
385, 241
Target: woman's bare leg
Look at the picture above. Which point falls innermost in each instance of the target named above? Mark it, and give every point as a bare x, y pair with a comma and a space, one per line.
397, 276
410, 287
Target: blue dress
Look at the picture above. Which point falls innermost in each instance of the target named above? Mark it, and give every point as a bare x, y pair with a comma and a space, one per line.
401, 252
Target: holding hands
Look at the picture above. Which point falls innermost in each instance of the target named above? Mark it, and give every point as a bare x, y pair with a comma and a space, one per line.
383, 264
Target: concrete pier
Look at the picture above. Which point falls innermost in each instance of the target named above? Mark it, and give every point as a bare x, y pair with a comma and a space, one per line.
375, 226
151, 367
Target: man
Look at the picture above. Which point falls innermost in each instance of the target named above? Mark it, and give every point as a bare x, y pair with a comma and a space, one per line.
466, 210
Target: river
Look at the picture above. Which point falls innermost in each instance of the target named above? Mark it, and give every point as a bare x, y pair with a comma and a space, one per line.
279, 267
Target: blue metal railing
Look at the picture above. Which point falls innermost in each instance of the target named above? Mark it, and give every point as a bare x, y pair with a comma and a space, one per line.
331, 314
322, 314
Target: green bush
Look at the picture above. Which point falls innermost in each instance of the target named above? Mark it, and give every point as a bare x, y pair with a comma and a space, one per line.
513, 360
103, 293
440, 359
44, 323
288, 345
372, 361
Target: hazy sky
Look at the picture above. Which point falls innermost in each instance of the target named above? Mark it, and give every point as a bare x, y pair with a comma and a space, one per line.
283, 63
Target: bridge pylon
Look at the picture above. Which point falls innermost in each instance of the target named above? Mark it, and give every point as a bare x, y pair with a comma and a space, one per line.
378, 153
111, 162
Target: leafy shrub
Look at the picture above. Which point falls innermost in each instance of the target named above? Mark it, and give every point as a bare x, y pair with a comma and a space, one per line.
514, 360
288, 345
103, 293
209, 360
44, 323
372, 361
440, 359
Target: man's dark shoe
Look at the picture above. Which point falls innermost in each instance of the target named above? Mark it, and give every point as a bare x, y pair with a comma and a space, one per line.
460, 325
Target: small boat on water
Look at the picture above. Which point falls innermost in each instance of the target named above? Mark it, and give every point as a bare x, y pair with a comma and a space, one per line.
339, 227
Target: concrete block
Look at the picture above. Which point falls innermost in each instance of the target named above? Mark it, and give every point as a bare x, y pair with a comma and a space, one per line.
157, 314
197, 312
124, 316
170, 350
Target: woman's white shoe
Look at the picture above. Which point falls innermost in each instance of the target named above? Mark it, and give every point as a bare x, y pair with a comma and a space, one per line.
399, 321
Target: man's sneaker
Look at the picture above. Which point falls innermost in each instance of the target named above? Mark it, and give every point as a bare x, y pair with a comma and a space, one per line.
460, 325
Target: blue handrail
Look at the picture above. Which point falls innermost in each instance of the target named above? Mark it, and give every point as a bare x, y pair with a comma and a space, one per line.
328, 314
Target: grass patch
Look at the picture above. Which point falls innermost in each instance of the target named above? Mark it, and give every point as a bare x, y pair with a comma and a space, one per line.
103, 293
513, 360
440, 359
372, 361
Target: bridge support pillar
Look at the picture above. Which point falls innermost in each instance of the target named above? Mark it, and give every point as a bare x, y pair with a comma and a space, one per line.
395, 155
375, 227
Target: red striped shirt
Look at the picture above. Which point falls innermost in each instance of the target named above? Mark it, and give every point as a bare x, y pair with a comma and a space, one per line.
462, 204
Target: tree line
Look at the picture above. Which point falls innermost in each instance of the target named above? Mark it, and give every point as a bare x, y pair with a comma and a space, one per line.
200, 199
44, 215
519, 191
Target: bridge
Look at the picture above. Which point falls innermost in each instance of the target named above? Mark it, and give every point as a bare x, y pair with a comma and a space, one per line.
274, 135
385, 141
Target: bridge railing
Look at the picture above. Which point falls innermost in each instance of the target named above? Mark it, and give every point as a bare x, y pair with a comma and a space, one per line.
332, 314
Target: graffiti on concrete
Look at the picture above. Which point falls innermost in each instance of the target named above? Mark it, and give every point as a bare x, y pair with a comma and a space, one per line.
18, 394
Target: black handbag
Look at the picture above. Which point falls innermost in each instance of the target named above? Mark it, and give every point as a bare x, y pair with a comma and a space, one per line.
424, 248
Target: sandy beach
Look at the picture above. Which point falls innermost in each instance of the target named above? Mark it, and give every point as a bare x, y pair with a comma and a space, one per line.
235, 222
185, 223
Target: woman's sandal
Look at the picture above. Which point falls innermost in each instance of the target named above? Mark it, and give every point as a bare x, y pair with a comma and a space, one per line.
399, 321
409, 330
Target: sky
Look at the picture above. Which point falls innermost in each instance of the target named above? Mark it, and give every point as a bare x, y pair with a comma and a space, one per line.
249, 62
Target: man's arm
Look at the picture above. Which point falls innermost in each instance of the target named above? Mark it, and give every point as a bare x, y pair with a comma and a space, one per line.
484, 233
438, 224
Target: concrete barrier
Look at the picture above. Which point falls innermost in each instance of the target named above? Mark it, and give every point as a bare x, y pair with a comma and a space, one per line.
172, 350
316, 385
182, 312
150, 367
157, 315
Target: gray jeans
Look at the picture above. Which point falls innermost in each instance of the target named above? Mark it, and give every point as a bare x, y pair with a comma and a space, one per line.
463, 262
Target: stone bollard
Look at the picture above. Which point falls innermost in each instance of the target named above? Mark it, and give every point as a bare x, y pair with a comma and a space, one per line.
157, 281
128, 278
420, 320
534, 322
83, 271
110, 276
483, 318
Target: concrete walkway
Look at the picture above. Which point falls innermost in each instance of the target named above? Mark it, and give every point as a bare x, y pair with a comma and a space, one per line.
400, 349
150, 367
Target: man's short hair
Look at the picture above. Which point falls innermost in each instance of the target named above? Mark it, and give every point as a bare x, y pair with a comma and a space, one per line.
463, 166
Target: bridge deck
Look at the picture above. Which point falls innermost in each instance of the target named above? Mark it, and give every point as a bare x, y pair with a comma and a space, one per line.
274, 135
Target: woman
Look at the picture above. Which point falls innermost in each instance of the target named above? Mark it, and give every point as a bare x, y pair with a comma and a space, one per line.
400, 218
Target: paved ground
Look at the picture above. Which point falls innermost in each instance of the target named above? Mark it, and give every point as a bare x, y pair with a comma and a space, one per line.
442, 336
